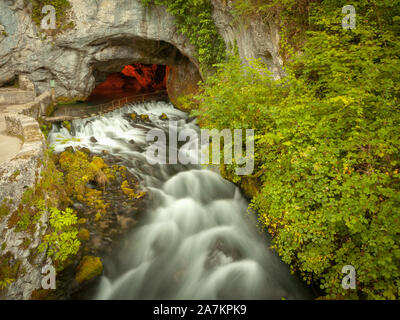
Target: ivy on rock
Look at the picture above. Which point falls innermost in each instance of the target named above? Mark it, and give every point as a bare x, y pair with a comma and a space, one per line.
194, 19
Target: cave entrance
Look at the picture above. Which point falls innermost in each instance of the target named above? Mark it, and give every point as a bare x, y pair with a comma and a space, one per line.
133, 79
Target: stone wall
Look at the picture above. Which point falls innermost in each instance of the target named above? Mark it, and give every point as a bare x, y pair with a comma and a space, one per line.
37, 107
183, 79
255, 38
12, 96
16, 176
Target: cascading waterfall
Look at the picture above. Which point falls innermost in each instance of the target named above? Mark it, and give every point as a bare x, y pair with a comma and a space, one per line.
198, 240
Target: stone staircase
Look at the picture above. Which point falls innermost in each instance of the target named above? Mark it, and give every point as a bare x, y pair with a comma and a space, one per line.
14, 101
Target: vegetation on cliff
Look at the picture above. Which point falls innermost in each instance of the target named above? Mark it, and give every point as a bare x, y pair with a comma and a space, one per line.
62, 8
194, 19
66, 178
327, 182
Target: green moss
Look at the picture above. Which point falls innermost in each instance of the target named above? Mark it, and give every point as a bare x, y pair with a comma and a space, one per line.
62, 10
26, 243
130, 192
4, 33
80, 169
45, 127
82, 221
9, 269
67, 125
15, 175
83, 235
50, 110
72, 101
4, 210
89, 268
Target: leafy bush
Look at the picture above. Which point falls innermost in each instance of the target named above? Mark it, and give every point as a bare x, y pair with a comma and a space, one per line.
327, 147
63, 241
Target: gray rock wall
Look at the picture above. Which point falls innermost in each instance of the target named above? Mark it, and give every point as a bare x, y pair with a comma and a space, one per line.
109, 34
16, 176
254, 37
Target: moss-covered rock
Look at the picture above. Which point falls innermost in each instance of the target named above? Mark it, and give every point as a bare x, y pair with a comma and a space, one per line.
84, 235
82, 221
163, 117
67, 125
89, 268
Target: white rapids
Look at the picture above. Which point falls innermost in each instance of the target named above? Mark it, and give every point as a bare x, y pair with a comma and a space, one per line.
198, 239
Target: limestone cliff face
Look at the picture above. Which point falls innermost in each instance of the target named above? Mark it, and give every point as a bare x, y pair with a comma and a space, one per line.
109, 34
255, 38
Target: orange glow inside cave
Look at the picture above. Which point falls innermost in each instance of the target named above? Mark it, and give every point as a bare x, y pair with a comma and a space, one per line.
132, 80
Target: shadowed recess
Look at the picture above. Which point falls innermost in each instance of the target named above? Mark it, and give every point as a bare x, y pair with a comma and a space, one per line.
133, 79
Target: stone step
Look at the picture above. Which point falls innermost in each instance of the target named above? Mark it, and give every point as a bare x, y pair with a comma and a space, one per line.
13, 96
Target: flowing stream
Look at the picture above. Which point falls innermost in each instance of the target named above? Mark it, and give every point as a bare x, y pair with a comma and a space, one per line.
197, 240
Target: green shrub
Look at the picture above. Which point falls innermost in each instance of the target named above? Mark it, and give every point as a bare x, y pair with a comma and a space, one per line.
327, 147
63, 241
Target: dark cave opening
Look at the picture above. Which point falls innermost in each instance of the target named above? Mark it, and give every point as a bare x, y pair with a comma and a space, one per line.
133, 80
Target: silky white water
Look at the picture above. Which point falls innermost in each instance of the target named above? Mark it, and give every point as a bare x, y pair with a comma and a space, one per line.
197, 240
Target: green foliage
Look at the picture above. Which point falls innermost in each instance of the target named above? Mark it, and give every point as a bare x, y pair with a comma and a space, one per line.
327, 147
194, 19
5, 283
45, 128
9, 268
63, 241
67, 125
